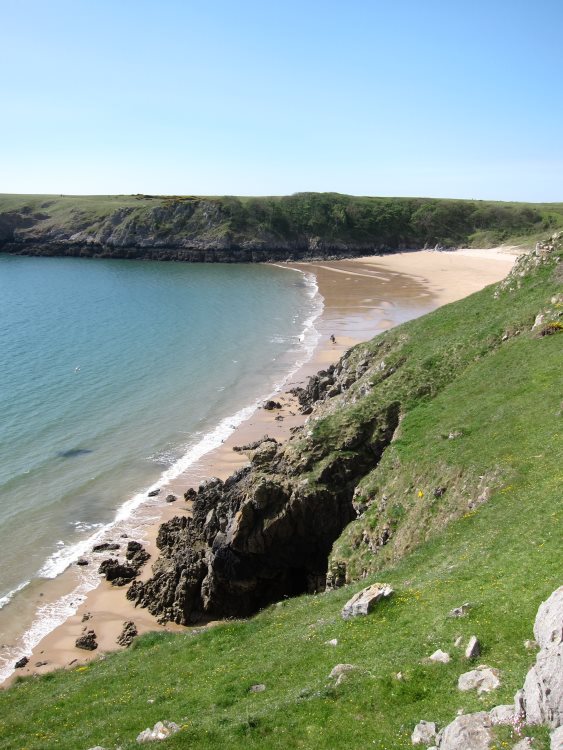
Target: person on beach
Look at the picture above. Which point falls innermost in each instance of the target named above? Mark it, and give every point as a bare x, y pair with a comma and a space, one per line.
332, 338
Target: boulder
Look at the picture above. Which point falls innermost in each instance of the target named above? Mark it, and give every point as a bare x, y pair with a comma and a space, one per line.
87, 641
162, 730
153, 493
440, 657
424, 733
117, 573
82, 561
473, 649
365, 600
525, 744
541, 699
21, 663
556, 739
128, 632
269, 405
105, 546
502, 714
171, 498
483, 679
467, 732
341, 669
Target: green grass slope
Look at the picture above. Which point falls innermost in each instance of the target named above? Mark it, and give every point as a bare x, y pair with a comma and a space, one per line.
485, 375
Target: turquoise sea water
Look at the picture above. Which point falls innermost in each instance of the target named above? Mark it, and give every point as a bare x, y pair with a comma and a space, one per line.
113, 372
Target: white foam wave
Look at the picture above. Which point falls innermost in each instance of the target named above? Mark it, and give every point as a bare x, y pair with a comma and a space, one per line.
48, 617
10, 595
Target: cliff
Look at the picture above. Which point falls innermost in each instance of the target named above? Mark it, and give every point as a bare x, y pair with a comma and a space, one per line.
267, 532
233, 229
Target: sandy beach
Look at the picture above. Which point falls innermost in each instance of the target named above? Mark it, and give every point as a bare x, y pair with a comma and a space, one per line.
362, 297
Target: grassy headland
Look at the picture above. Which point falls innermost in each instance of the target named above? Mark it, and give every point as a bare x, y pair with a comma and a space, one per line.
231, 228
468, 493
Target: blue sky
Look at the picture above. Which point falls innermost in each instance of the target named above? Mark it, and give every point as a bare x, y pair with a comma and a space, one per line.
395, 97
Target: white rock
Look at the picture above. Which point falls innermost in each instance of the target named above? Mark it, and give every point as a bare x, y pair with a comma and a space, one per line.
502, 714
541, 698
524, 744
458, 641
162, 730
473, 649
424, 733
468, 732
556, 739
548, 627
340, 669
530, 645
483, 679
364, 601
332, 642
440, 656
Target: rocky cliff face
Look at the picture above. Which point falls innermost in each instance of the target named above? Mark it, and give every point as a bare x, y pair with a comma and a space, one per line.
267, 531
195, 230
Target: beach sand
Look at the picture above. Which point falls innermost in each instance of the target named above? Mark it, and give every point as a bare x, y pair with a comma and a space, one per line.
362, 297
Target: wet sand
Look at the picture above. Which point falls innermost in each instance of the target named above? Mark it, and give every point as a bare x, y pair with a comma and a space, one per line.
362, 297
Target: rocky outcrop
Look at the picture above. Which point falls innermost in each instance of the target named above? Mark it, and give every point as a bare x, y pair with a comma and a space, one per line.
128, 633
267, 531
366, 600
469, 731
87, 641
121, 573
541, 699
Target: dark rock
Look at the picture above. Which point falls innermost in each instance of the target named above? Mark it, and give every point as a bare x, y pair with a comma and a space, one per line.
41, 663
127, 634
117, 573
21, 663
86, 616
82, 561
262, 535
269, 405
105, 547
87, 641
439, 491
191, 494
171, 498
153, 493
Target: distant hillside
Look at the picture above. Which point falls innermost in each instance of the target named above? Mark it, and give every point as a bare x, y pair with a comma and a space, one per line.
230, 229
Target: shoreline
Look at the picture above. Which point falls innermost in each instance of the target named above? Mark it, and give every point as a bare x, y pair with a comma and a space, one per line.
362, 297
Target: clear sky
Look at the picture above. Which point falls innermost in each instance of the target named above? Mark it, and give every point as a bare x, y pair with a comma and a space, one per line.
445, 98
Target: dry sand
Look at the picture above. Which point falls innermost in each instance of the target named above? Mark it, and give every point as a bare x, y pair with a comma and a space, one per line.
362, 297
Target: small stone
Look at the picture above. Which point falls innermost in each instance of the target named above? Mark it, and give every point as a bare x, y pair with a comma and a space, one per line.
86, 616
530, 645
269, 405
440, 656
40, 663
424, 733
21, 663
153, 493
458, 641
162, 730
170, 498
483, 679
399, 676
460, 611
104, 546
364, 601
332, 642
473, 649
258, 688
341, 669
82, 561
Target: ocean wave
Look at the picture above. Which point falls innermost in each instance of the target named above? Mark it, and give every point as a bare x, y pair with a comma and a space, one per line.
7, 598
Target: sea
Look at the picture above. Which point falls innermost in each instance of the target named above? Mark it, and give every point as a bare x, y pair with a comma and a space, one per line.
115, 377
